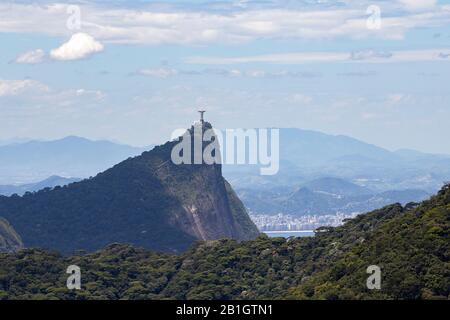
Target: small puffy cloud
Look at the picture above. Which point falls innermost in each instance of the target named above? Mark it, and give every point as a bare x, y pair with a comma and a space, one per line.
234, 73
16, 87
370, 55
80, 45
39, 90
395, 97
398, 98
31, 57
256, 73
97, 94
158, 72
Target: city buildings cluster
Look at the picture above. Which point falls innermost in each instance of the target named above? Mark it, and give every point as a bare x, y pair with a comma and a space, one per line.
285, 222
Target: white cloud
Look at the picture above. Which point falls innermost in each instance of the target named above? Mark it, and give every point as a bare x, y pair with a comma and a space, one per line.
369, 56
96, 94
198, 25
397, 98
232, 73
80, 45
17, 87
256, 73
31, 57
36, 90
288, 58
417, 5
158, 72
31, 98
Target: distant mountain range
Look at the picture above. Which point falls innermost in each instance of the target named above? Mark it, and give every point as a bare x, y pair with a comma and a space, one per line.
308, 155
51, 182
147, 201
304, 156
72, 156
324, 196
373, 176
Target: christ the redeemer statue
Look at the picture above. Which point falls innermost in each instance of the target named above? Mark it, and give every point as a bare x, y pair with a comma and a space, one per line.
201, 116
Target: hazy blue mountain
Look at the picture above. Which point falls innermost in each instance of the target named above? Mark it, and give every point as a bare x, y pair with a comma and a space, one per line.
311, 148
307, 155
324, 196
50, 182
304, 156
69, 157
307, 202
336, 186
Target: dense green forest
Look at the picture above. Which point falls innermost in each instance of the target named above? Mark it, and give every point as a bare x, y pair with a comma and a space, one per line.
410, 244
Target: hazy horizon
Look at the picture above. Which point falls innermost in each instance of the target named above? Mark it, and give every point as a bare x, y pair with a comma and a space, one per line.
19, 140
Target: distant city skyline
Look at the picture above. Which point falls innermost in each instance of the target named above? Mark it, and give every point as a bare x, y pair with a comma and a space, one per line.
134, 71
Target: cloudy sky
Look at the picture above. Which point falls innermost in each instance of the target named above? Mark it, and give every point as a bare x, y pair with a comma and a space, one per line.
133, 71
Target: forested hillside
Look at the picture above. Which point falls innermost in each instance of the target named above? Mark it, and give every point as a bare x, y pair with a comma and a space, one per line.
410, 244
147, 201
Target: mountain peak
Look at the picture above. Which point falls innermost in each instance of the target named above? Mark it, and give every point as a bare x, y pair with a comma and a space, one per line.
147, 201
74, 138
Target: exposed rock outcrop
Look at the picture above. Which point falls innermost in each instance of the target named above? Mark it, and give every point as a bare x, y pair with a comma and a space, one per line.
9, 240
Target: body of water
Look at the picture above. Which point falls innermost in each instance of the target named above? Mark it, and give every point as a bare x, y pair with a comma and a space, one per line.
287, 234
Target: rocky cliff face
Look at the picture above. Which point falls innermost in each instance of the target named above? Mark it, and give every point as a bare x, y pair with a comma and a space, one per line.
209, 208
147, 201
9, 239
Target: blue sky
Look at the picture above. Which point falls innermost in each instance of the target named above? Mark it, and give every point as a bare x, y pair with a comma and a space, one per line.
133, 71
